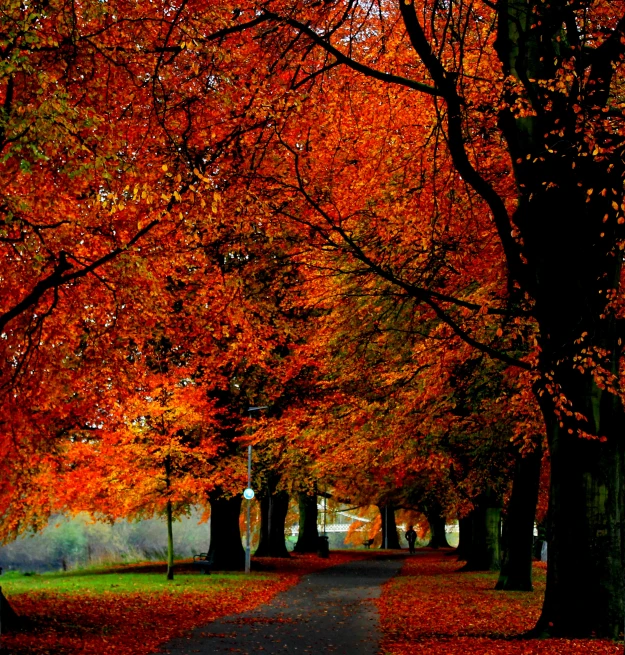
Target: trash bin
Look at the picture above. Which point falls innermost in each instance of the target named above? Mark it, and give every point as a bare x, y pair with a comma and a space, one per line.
323, 547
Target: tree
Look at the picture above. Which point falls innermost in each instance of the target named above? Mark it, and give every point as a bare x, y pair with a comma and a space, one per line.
467, 157
437, 522
274, 506
438, 436
538, 88
84, 202
308, 535
390, 538
155, 457
518, 524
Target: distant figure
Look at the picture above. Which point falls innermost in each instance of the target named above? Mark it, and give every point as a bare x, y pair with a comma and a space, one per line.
411, 537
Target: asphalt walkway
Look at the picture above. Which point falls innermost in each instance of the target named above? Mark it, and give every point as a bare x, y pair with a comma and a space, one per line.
330, 611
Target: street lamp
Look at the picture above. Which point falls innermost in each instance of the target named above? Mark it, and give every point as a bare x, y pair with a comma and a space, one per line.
248, 494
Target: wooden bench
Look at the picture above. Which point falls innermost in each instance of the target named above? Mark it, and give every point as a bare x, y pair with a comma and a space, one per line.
204, 562
367, 543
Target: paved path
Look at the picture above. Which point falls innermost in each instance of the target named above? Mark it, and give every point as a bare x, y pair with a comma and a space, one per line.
329, 611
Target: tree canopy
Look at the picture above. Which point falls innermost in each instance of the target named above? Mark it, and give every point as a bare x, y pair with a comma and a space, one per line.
398, 225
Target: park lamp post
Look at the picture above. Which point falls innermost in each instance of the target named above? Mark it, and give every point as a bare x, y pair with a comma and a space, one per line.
248, 494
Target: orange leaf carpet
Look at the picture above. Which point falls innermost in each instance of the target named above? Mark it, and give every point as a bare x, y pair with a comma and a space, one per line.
432, 608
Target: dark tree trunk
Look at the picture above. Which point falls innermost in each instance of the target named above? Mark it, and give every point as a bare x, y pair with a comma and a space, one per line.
485, 552
438, 537
584, 420
579, 339
273, 511
465, 538
568, 219
518, 526
580, 348
585, 572
437, 522
390, 538
226, 549
308, 537
9, 620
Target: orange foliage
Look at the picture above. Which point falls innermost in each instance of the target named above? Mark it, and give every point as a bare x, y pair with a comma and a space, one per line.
361, 531
218, 173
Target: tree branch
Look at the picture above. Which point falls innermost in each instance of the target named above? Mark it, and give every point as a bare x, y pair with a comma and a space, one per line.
60, 277
446, 82
420, 294
351, 63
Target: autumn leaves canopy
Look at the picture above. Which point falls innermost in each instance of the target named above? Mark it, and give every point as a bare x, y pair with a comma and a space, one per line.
397, 225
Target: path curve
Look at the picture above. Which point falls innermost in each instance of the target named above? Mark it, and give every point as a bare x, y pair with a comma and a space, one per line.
331, 611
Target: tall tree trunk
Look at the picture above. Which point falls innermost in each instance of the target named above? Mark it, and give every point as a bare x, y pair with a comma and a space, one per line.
465, 537
585, 569
170, 543
518, 526
579, 352
485, 552
390, 538
579, 339
438, 538
226, 549
308, 537
273, 510
568, 218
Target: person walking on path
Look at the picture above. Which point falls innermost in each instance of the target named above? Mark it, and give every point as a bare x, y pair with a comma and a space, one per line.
411, 537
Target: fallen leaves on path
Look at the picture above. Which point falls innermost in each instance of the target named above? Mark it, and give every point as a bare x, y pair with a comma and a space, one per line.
301, 564
137, 623
432, 608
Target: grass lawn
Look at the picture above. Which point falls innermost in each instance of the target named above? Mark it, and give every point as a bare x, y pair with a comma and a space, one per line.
103, 581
